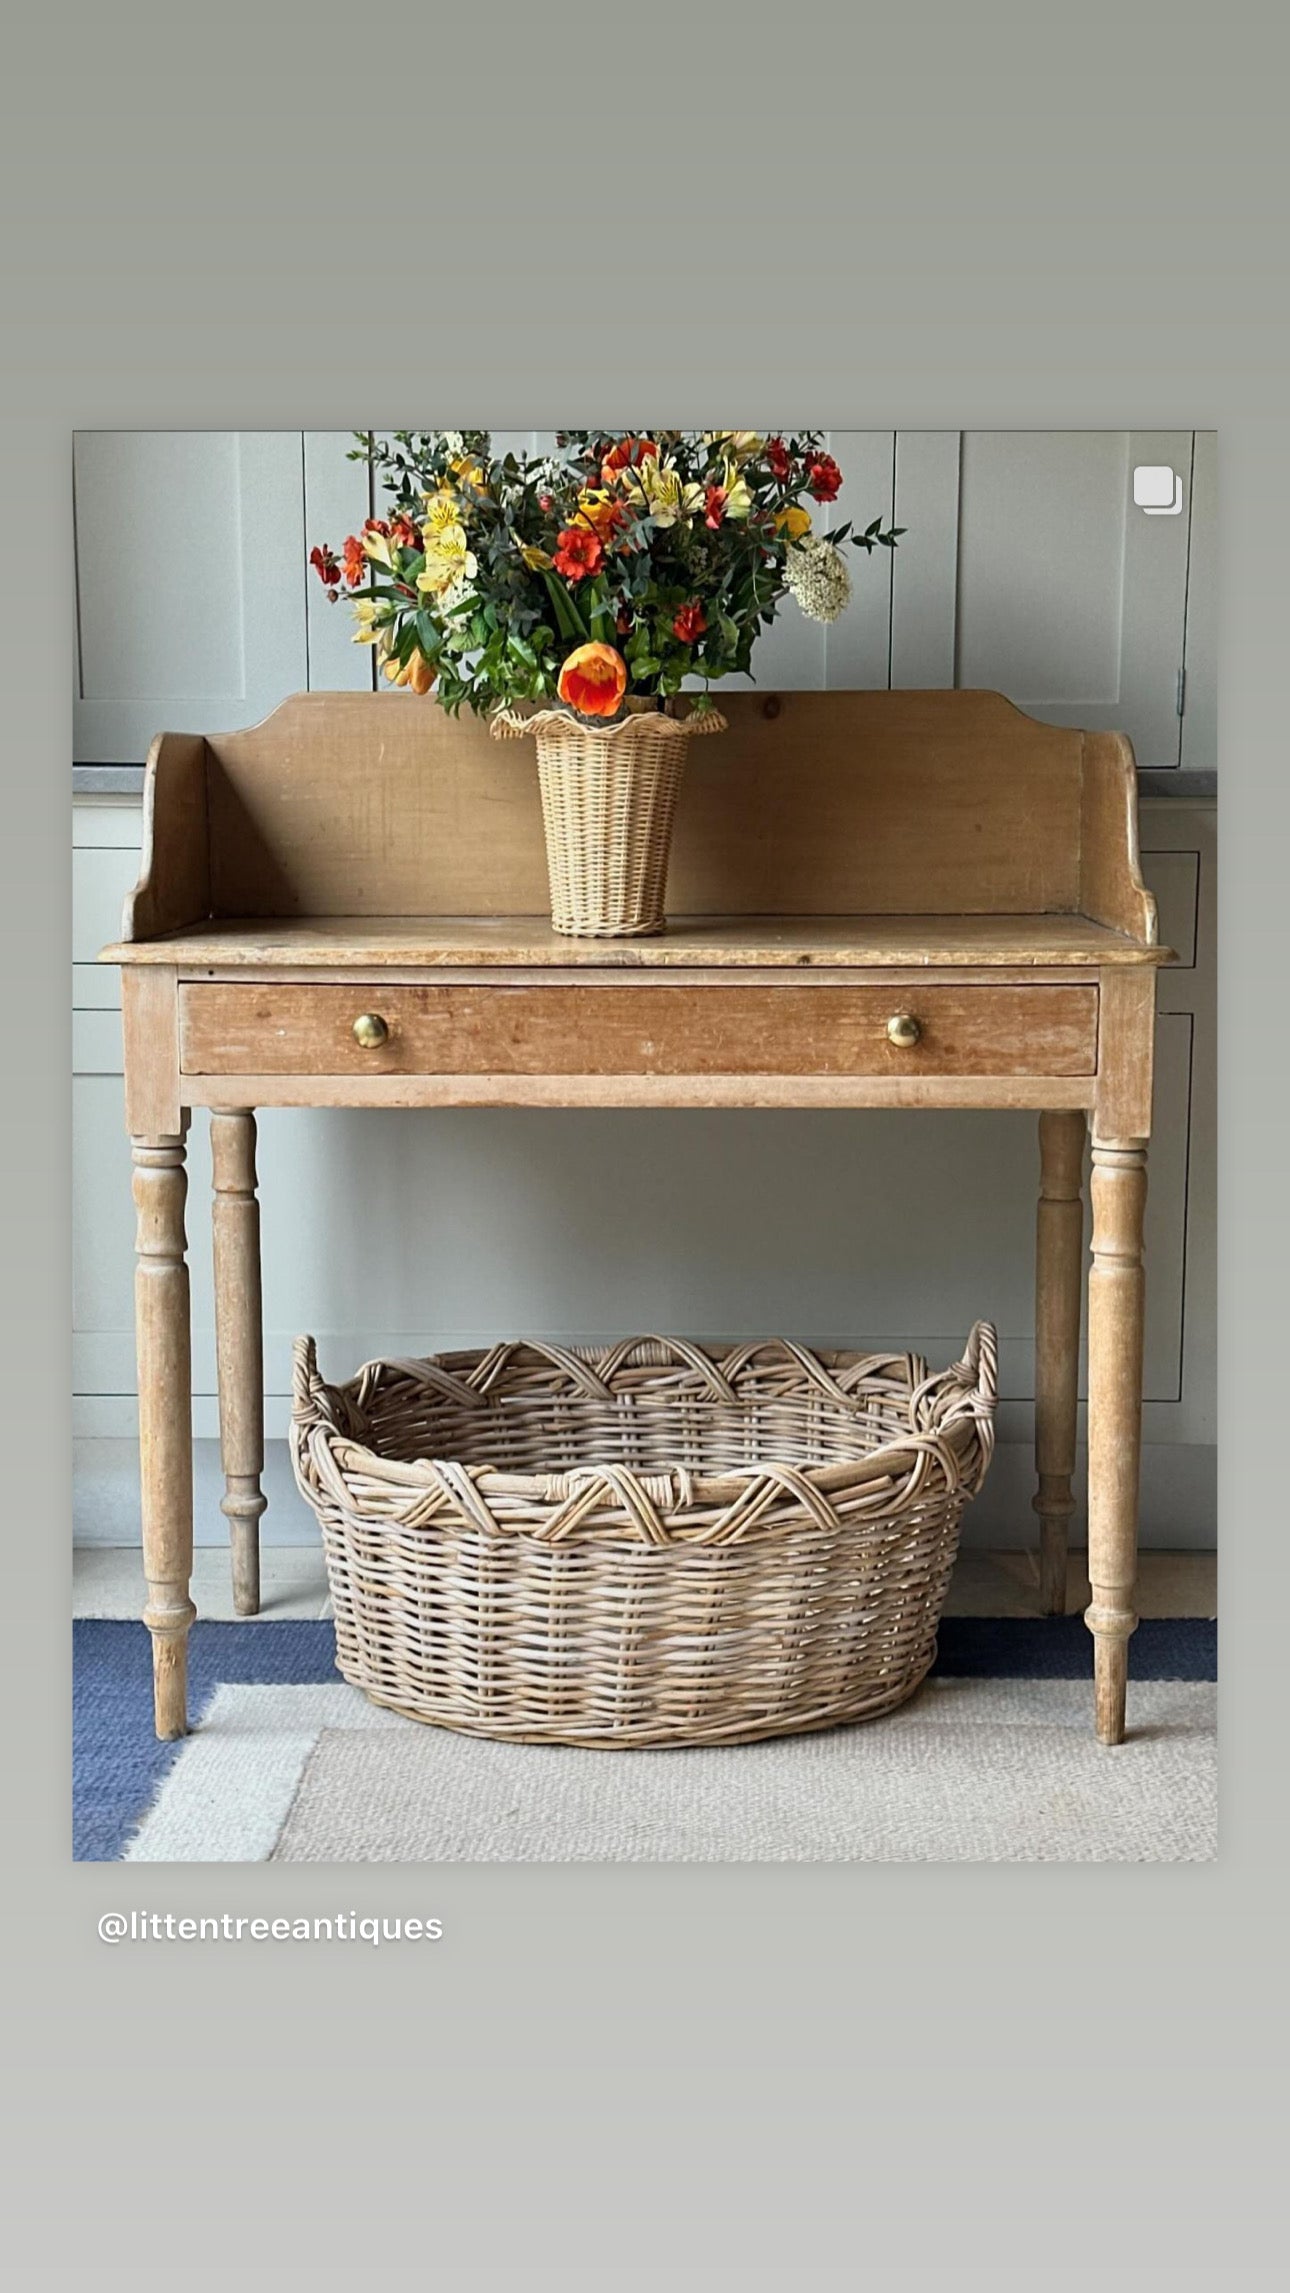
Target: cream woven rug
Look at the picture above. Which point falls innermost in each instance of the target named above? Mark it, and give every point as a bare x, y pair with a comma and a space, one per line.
971, 1771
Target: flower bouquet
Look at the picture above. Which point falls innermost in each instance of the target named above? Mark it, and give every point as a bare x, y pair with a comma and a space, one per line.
597, 583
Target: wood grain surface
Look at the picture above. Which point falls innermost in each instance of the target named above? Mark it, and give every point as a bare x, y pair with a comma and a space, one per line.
816, 943
638, 1028
811, 804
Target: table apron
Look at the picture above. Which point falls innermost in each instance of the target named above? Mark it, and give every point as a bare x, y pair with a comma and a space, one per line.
1018, 1091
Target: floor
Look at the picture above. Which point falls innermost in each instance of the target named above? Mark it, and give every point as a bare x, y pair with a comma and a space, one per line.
107, 1581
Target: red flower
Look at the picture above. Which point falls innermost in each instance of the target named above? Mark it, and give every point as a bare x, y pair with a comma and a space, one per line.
628, 454
405, 533
690, 622
326, 567
579, 551
355, 561
823, 478
781, 461
544, 501
375, 525
714, 506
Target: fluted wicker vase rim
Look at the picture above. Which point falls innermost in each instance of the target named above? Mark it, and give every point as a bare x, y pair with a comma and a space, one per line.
514, 724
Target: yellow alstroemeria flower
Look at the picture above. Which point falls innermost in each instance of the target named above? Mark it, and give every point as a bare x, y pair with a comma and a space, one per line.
536, 559
448, 559
669, 500
365, 611
740, 445
793, 521
468, 473
739, 499
376, 545
443, 509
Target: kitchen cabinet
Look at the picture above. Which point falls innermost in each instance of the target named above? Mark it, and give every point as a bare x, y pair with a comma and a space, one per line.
1028, 568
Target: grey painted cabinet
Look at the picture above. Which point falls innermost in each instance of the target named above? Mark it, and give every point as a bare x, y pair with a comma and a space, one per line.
1028, 568
195, 607
189, 583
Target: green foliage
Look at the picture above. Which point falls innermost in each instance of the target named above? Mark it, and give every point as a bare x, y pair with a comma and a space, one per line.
670, 548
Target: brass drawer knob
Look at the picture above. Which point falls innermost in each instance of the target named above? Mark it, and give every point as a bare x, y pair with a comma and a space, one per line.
370, 1030
903, 1030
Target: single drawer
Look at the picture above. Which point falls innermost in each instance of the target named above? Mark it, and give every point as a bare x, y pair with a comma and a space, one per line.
637, 1028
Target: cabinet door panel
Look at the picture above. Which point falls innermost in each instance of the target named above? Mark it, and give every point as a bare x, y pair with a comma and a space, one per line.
1070, 599
96, 1042
101, 879
105, 866
924, 574
191, 599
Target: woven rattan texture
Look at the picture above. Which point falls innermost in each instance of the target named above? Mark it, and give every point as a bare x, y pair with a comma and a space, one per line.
654, 1543
608, 801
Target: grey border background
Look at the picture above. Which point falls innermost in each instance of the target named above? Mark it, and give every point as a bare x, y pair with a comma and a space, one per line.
990, 216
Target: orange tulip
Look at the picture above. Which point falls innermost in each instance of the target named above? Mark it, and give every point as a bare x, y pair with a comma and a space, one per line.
415, 673
593, 681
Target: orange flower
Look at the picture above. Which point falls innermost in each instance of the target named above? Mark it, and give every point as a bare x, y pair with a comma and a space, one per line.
579, 551
355, 561
593, 681
628, 454
415, 673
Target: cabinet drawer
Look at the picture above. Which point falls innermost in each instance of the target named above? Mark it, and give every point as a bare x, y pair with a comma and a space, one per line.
650, 1028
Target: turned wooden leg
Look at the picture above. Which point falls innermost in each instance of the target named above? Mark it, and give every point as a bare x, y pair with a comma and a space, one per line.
1059, 1268
1115, 1301
165, 1419
239, 1346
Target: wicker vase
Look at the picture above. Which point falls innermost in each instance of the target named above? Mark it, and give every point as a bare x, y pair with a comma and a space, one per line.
608, 796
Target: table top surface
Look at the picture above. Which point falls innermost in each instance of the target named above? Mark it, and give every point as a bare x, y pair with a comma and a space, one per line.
823, 943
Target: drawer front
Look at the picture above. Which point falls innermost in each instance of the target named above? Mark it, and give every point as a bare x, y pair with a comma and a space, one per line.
654, 1028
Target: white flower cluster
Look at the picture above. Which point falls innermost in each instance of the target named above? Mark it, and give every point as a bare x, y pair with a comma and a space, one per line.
819, 578
450, 598
454, 445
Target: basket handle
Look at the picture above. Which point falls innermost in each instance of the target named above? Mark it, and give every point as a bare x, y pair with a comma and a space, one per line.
980, 1361
307, 1383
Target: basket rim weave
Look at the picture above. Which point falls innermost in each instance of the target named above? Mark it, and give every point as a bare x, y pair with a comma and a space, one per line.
507, 723
943, 1456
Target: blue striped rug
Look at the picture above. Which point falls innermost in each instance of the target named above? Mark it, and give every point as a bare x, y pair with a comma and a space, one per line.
119, 1767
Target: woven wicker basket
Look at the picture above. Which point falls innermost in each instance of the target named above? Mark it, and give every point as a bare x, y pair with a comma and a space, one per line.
608, 797
652, 1544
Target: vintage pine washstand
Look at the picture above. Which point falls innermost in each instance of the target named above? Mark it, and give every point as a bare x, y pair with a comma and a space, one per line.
883, 900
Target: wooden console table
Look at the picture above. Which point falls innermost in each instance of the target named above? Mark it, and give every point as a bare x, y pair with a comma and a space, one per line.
883, 900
